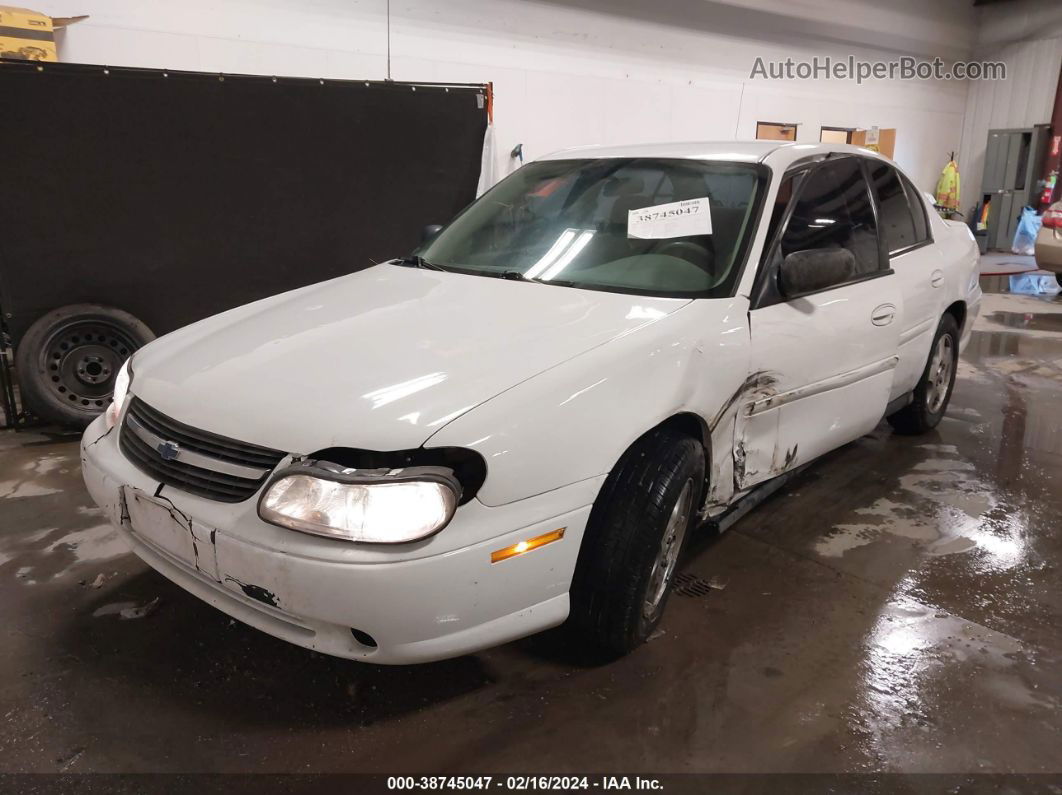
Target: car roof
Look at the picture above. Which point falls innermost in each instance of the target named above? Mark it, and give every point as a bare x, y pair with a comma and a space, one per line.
779, 153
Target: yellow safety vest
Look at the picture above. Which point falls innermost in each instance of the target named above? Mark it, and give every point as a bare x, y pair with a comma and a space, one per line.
948, 186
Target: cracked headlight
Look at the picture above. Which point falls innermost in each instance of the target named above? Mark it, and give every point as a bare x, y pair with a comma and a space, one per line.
378, 506
121, 392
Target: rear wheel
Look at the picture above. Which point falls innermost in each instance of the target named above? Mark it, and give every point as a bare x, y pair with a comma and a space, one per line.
68, 360
635, 535
931, 395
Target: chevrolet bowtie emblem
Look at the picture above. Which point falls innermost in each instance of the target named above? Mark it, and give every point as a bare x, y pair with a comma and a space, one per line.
168, 451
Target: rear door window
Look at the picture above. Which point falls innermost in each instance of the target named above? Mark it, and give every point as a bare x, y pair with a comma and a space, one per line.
895, 214
918, 211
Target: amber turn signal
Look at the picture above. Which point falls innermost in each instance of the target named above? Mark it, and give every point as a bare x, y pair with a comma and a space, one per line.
521, 547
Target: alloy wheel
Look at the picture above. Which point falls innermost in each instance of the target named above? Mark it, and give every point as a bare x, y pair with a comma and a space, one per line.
939, 375
667, 557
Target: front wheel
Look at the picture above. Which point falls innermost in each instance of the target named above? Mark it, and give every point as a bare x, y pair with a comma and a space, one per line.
633, 540
931, 395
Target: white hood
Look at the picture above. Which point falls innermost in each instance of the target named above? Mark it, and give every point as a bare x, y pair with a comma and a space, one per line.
380, 359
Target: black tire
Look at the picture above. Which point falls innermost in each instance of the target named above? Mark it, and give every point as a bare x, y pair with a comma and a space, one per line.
68, 359
610, 614
1058, 278
926, 407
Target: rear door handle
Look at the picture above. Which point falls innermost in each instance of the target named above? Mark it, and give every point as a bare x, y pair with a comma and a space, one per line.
883, 314
936, 278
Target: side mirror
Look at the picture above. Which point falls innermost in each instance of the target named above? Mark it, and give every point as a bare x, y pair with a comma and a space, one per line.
805, 272
430, 231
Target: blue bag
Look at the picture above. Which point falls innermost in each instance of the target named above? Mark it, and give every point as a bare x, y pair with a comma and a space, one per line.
1025, 235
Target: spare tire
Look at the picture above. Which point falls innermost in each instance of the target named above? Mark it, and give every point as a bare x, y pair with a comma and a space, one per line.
68, 359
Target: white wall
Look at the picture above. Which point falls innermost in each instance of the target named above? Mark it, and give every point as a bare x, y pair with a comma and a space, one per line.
570, 72
1027, 36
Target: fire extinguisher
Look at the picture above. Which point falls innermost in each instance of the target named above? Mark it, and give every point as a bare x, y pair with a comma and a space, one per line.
1049, 189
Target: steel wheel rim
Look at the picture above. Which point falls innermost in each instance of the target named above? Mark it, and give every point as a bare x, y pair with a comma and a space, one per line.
80, 361
670, 545
939, 375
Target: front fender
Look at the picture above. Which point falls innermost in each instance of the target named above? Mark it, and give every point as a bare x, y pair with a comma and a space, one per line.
574, 421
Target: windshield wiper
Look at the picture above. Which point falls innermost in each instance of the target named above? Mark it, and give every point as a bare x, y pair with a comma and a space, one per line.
517, 276
417, 261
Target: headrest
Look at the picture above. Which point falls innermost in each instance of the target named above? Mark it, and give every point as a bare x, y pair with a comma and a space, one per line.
623, 186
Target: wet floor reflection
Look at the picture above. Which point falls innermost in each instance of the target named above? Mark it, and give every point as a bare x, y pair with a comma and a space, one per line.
959, 529
1028, 320
978, 606
897, 607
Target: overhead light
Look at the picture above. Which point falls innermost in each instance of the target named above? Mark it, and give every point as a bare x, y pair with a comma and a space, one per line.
547, 259
569, 255
560, 254
389, 394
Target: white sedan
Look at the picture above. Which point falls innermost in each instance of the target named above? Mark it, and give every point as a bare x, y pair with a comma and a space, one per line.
517, 426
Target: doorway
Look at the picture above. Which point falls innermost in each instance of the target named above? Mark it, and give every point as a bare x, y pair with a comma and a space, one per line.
835, 135
775, 131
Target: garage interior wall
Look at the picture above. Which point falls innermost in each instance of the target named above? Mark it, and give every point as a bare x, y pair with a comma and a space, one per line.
1027, 36
571, 72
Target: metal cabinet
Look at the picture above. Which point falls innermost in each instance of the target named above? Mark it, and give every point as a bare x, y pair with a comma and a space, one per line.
1012, 164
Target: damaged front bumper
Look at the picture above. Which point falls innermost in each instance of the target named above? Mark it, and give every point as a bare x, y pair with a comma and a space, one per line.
418, 602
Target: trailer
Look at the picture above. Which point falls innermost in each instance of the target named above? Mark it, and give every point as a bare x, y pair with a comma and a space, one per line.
136, 201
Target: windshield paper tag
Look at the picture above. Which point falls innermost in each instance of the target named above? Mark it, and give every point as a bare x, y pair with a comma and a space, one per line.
677, 219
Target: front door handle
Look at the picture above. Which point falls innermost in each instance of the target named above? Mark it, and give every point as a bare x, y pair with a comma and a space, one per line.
883, 314
936, 278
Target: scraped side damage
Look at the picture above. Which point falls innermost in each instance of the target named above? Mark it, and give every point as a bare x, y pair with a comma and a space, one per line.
730, 447
790, 457
760, 384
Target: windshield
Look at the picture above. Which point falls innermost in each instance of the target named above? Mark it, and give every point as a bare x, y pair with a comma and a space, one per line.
633, 225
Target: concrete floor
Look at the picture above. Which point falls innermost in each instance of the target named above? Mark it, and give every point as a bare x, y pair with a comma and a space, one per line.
897, 608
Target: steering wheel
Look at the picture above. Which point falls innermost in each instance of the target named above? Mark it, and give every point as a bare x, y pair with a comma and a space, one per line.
693, 253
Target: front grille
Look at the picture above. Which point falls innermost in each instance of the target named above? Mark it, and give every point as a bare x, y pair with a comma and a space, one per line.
207, 465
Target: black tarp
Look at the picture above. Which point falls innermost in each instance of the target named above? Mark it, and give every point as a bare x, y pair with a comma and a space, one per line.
175, 195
